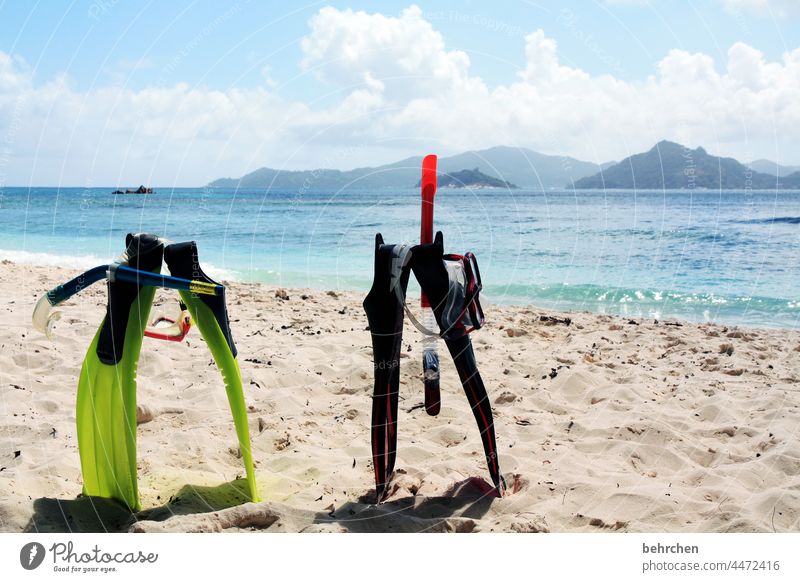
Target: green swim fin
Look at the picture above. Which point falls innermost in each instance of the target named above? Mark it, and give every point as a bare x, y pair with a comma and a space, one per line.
106, 406
210, 315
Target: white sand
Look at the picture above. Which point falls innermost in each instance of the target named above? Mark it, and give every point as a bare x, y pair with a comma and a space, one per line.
645, 427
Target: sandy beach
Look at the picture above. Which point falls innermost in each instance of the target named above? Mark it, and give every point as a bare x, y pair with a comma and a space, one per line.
604, 424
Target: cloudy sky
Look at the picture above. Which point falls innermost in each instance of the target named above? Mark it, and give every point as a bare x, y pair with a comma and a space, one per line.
107, 93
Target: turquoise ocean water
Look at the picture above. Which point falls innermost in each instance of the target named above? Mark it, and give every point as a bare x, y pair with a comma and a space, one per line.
730, 256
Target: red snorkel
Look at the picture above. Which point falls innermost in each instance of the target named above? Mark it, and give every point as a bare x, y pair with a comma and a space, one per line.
430, 358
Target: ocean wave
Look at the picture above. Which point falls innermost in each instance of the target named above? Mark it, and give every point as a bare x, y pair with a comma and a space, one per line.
774, 220
631, 302
222, 274
603, 294
88, 261
52, 259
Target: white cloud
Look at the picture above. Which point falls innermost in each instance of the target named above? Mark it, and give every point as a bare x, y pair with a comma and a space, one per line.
346, 47
542, 65
398, 90
14, 75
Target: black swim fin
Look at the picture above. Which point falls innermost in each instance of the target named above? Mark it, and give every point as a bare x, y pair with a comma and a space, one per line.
428, 266
385, 311
385, 315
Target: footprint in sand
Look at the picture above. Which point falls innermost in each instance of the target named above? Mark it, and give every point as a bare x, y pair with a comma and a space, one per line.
33, 360
506, 398
449, 437
528, 523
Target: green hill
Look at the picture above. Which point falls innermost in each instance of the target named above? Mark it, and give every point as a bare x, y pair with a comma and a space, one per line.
469, 179
670, 165
772, 168
521, 166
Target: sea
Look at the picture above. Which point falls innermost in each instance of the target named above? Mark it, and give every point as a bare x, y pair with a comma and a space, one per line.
731, 257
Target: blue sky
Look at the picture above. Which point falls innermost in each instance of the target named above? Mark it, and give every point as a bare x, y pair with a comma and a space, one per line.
102, 42
90, 49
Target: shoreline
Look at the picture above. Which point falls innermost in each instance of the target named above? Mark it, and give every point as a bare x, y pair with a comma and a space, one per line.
78, 265
602, 424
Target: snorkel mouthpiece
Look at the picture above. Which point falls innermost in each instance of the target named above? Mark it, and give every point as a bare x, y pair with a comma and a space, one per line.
43, 319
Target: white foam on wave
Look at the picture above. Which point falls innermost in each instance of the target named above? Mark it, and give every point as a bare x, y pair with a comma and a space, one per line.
52, 259
88, 261
221, 274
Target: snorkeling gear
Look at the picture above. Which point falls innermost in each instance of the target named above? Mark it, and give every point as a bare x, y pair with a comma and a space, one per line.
170, 329
210, 314
44, 318
106, 404
452, 285
430, 357
106, 400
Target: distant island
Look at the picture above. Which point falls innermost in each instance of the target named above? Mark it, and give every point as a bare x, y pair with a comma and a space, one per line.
771, 168
669, 165
521, 166
469, 179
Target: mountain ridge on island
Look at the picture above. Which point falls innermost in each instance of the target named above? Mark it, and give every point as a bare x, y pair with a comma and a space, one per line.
469, 179
523, 167
669, 165
772, 168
